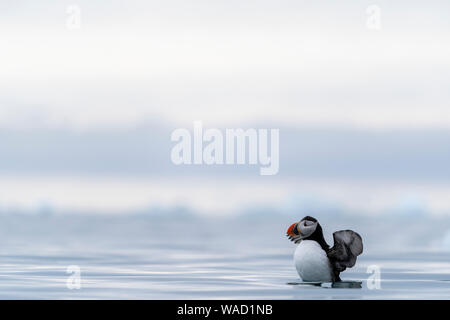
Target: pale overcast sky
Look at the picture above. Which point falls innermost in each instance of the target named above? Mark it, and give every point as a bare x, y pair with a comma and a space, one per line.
352, 103
225, 62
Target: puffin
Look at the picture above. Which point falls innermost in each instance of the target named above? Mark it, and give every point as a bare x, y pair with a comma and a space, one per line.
314, 260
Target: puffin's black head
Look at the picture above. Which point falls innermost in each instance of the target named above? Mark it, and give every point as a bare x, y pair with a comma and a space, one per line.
307, 228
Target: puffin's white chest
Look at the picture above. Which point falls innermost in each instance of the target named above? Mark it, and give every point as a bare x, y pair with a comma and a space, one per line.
312, 263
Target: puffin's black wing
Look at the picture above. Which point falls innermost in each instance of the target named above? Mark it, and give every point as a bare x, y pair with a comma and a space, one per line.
347, 246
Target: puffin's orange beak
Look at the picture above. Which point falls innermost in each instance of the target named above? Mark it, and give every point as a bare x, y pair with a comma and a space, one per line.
292, 231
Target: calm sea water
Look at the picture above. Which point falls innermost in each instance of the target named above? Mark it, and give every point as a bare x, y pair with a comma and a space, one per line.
138, 257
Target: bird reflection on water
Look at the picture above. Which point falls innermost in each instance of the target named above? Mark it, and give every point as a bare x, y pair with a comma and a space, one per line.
334, 285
